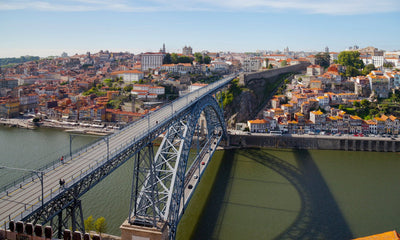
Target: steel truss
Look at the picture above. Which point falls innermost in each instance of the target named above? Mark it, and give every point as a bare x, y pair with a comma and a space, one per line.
162, 187
67, 200
159, 181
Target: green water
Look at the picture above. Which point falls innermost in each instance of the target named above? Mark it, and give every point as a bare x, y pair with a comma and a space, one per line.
294, 194
257, 193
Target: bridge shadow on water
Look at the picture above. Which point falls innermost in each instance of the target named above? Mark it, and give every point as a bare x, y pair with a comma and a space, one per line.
319, 216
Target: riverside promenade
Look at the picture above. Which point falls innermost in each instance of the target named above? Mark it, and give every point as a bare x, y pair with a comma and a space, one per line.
68, 127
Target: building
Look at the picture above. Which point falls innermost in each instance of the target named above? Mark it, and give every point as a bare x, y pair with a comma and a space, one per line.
315, 70
251, 65
129, 76
379, 84
151, 60
258, 125
187, 51
196, 86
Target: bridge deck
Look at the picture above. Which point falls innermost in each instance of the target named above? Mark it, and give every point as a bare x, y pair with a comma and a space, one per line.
24, 198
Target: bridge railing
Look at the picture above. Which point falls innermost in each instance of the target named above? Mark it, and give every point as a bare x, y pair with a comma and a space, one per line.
176, 107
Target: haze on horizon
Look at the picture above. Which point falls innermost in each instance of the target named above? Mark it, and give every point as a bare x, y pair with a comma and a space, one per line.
44, 28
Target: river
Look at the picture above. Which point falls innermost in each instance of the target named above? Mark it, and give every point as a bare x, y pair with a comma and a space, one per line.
257, 193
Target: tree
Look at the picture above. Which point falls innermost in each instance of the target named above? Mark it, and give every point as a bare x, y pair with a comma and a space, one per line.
174, 58
89, 224
207, 59
350, 59
323, 59
367, 69
356, 104
198, 57
283, 63
185, 59
365, 103
100, 225
128, 88
341, 107
351, 71
167, 59
388, 65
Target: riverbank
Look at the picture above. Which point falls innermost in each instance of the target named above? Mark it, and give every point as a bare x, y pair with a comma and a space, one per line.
78, 129
317, 142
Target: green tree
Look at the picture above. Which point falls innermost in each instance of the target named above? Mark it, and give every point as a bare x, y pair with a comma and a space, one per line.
373, 112
350, 59
323, 59
367, 69
283, 63
128, 88
365, 103
89, 224
174, 58
185, 59
341, 107
198, 57
351, 71
356, 104
207, 59
388, 65
100, 225
167, 59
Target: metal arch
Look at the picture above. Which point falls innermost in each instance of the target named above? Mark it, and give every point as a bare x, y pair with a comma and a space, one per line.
161, 180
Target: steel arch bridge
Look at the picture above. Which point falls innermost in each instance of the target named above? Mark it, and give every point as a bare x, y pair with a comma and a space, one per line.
159, 180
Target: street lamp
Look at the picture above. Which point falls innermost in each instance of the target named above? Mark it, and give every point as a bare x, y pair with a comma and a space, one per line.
39, 174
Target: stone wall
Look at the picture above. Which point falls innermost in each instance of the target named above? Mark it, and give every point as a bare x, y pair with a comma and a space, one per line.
314, 142
246, 77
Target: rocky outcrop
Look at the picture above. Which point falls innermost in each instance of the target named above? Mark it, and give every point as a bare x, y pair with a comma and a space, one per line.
256, 94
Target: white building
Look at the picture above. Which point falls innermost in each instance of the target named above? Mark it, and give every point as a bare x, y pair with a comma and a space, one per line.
151, 60
258, 125
251, 65
129, 76
378, 61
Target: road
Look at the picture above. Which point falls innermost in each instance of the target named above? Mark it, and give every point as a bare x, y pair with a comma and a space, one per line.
19, 200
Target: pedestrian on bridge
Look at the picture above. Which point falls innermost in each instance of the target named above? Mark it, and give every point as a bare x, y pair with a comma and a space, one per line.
62, 159
62, 182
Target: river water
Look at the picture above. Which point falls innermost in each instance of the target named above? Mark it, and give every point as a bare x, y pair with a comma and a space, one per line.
257, 193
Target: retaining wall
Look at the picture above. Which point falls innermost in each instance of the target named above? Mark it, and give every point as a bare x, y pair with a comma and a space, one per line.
315, 142
246, 77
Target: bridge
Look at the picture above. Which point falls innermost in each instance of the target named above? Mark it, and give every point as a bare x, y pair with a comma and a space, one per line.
162, 183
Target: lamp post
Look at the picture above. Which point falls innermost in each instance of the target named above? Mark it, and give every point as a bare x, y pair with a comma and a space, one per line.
39, 174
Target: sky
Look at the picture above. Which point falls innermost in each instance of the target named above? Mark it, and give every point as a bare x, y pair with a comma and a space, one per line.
50, 27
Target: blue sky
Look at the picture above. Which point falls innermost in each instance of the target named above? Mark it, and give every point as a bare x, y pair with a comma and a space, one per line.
49, 27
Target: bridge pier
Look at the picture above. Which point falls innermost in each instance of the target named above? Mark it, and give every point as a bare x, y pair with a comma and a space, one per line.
137, 232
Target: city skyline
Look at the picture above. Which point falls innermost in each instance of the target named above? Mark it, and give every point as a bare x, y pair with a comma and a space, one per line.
44, 28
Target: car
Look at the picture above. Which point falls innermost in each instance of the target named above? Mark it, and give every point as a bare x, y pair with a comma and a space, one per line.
196, 177
190, 186
202, 163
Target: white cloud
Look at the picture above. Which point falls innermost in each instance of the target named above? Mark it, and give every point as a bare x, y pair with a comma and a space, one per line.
331, 7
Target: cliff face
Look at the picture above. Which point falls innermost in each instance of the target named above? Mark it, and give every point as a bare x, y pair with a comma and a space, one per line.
251, 100
259, 87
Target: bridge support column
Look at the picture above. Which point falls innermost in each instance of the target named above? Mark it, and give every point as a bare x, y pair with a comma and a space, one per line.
136, 232
60, 225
